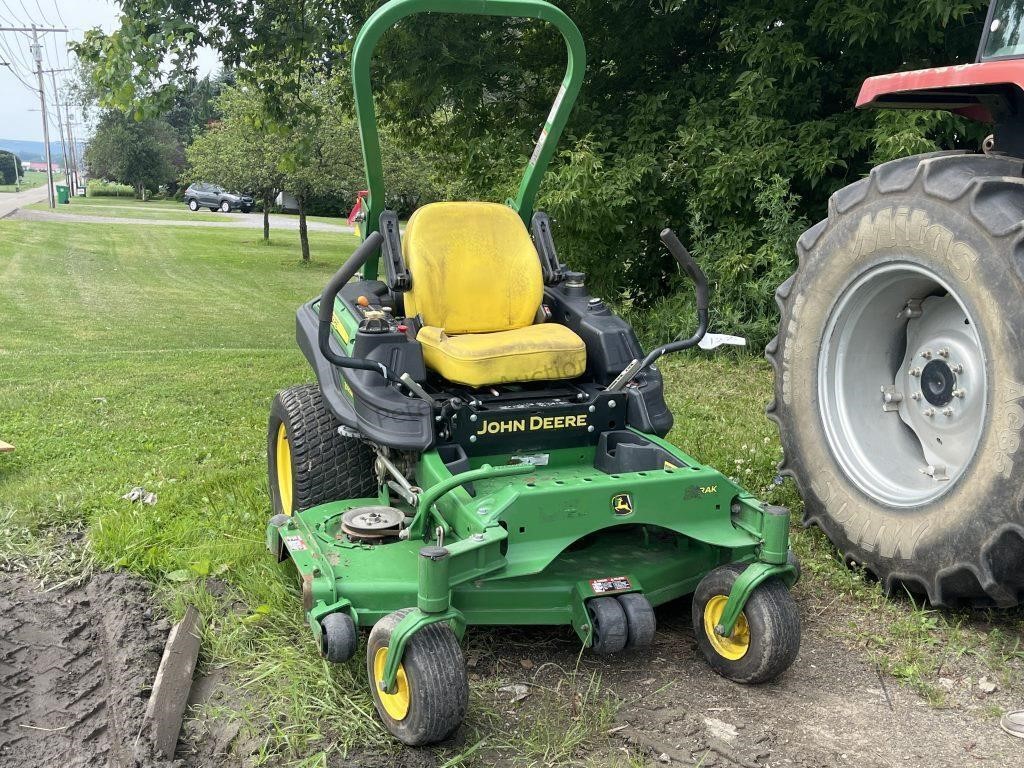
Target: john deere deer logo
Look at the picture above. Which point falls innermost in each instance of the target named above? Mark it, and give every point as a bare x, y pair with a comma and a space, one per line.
622, 504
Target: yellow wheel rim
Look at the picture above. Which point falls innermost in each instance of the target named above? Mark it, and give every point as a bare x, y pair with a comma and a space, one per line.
283, 462
395, 704
736, 645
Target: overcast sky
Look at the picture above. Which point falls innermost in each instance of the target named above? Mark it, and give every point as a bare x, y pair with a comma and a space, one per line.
17, 121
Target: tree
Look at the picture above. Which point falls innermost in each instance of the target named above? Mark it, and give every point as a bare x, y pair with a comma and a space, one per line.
195, 104
10, 167
237, 153
144, 154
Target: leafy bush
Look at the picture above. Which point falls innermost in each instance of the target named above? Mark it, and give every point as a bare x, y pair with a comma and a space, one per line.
101, 188
10, 167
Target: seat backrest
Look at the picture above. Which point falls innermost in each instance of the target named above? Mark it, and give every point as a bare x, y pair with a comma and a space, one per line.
474, 268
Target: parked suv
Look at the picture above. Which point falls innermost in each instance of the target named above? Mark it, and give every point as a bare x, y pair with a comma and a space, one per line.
199, 195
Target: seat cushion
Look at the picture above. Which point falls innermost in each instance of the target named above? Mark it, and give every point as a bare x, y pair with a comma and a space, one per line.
546, 352
474, 268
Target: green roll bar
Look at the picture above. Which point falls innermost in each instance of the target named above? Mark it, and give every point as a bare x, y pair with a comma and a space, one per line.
385, 17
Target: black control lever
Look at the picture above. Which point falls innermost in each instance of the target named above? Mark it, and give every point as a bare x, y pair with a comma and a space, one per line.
326, 313
700, 282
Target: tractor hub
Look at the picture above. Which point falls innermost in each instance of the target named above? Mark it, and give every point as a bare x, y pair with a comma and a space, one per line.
943, 370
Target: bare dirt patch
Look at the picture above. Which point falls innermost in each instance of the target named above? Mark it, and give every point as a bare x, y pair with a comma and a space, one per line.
832, 708
76, 666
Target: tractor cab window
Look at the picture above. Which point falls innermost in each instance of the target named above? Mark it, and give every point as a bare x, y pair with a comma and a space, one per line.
1004, 34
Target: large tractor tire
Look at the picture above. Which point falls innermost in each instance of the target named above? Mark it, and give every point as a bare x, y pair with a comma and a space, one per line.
899, 376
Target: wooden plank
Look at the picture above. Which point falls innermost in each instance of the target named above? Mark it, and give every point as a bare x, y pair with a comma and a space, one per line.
5, 447
173, 682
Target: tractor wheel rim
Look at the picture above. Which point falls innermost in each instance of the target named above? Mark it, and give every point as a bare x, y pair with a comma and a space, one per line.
395, 704
283, 463
735, 646
901, 385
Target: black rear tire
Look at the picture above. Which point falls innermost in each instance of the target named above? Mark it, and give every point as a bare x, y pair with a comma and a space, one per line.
325, 465
955, 216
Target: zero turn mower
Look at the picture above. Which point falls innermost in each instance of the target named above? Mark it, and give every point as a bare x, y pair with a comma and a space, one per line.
485, 446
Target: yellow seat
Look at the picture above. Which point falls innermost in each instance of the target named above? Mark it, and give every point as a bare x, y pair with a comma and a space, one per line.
477, 286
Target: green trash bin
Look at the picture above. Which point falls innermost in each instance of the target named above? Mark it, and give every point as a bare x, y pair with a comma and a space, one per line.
63, 194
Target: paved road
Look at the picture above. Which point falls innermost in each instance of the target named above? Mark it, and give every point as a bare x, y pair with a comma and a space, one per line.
12, 201
232, 221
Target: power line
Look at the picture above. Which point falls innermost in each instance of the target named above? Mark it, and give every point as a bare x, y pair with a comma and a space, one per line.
13, 68
56, 7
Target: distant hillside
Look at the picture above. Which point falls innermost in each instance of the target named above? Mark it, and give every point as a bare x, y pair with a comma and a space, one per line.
32, 151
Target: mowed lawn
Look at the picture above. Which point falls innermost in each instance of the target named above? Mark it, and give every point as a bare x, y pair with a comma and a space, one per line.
134, 356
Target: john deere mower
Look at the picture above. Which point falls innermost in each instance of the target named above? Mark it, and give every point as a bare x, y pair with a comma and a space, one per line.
485, 446
899, 387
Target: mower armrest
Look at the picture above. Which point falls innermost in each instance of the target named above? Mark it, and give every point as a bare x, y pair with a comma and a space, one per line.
325, 314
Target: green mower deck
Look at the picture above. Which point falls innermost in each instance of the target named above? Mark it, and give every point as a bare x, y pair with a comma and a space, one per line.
535, 543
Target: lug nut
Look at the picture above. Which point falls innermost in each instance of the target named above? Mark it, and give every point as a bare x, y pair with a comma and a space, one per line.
927, 354
943, 352
915, 371
959, 392
928, 412
915, 396
956, 368
947, 411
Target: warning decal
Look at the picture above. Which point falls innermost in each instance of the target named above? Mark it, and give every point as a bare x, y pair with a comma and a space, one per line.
294, 543
610, 584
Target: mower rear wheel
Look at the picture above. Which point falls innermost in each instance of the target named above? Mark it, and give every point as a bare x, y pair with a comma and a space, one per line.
608, 625
640, 621
338, 638
308, 461
432, 690
766, 638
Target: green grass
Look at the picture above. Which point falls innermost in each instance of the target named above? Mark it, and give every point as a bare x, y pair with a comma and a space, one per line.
149, 356
165, 210
31, 180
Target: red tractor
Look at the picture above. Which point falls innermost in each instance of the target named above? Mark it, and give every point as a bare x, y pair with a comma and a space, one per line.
899, 364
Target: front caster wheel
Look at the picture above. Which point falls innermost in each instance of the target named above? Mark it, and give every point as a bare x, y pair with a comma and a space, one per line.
609, 630
640, 621
338, 638
766, 638
432, 692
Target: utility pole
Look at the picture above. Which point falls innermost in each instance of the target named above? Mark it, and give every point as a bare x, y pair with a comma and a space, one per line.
74, 150
37, 51
60, 124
